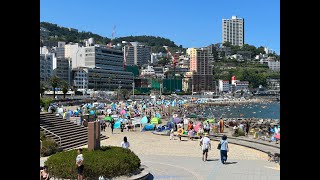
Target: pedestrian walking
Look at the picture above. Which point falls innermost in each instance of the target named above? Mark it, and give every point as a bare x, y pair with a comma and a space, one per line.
172, 134
224, 149
112, 125
206, 144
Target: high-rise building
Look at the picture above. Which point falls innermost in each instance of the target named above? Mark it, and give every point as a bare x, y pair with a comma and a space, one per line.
137, 54
233, 31
201, 66
47, 63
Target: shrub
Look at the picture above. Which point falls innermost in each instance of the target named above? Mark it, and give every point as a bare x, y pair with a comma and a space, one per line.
45, 102
49, 146
108, 162
239, 132
42, 136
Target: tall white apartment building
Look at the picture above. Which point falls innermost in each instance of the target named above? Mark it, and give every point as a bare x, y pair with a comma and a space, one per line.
48, 63
233, 31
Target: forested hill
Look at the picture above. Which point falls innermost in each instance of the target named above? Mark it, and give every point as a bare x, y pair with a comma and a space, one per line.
148, 40
58, 33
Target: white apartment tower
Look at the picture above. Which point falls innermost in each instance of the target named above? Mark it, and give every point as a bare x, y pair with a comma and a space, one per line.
233, 31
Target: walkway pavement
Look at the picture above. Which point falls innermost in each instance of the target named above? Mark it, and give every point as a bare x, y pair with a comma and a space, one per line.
172, 159
166, 167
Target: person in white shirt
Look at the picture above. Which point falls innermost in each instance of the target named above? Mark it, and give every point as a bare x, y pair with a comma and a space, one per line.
206, 144
172, 134
79, 163
125, 144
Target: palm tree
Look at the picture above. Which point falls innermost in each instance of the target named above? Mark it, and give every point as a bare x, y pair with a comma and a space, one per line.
124, 93
65, 88
95, 75
43, 87
110, 78
54, 82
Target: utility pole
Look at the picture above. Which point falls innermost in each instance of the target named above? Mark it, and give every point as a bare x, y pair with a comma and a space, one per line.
133, 86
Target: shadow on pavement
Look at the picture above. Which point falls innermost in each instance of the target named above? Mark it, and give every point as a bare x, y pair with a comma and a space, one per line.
212, 159
150, 177
231, 162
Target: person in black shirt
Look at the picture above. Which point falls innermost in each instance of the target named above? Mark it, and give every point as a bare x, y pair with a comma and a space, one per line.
112, 125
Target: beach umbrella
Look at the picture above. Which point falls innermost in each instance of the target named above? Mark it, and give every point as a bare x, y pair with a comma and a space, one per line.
176, 120
126, 115
211, 120
196, 128
108, 118
144, 120
122, 112
154, 120
157, 115
117, 125
91, 112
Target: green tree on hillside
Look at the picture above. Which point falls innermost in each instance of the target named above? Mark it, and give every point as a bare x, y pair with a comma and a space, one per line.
64, 87
43, 87
54, 82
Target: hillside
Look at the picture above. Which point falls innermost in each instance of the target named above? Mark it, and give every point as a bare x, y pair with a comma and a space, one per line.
57, 33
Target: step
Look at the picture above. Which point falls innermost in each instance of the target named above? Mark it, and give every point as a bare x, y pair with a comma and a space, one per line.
75, 139
76, 145
49, 127
62, 126
61, 132
69, 135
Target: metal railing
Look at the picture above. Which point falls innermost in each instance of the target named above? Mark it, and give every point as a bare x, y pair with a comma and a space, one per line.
51, 133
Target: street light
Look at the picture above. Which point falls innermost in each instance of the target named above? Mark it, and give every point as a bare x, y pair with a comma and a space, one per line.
119, 90
133, 86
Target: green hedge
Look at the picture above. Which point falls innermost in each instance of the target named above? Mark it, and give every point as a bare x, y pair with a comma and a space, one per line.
45, 102
109, 162
49, 146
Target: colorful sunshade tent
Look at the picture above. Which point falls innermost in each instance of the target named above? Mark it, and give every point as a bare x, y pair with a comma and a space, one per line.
108, 118
144, 120
155, 120
176, 120
122, 112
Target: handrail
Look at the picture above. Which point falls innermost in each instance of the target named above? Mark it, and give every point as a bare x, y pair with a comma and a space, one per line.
51, 133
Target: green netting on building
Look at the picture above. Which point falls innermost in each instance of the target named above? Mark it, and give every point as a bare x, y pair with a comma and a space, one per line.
144, 90
133, 69
155, 84
171, 85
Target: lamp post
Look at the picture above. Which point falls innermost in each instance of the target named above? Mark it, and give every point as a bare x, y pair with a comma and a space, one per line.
119, 90
133, 86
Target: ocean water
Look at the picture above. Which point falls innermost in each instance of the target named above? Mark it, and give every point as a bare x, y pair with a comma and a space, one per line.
266, 110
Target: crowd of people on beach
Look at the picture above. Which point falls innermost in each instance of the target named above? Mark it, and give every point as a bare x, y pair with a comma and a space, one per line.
124, 114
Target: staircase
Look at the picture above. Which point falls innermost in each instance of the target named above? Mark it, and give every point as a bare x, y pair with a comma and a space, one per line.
71, 134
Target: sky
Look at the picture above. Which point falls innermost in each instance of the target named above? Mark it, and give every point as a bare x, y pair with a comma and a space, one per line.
190, 23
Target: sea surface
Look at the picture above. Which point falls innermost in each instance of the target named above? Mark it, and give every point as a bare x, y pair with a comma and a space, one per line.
265, 110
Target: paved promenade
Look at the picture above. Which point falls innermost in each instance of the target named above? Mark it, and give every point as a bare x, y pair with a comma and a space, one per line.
172, 159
